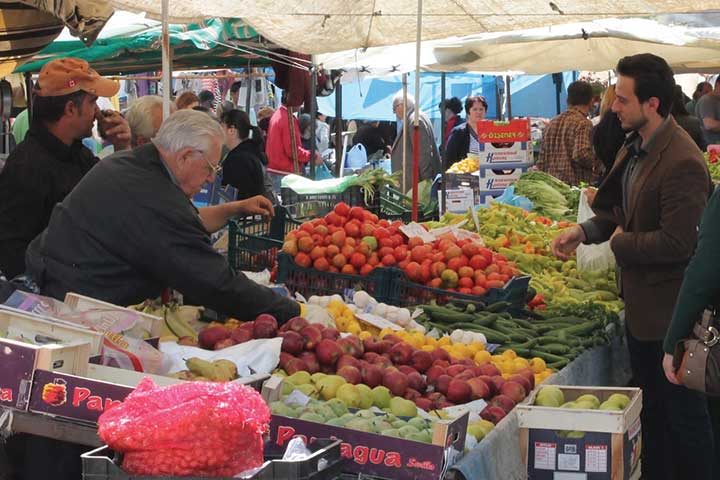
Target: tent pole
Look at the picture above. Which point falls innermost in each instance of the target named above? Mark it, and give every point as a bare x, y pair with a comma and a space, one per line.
313, 114
166, 62
498, 101
29, 95
404, 132
339, 151
508, 97
249, 90
443, 140
416, 128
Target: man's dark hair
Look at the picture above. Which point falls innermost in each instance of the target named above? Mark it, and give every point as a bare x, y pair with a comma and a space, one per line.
51, 109
579, 93
473, 99
454, 105
653, 78
206, 96
235, 87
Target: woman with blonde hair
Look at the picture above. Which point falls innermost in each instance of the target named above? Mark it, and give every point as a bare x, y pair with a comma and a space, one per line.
608, 135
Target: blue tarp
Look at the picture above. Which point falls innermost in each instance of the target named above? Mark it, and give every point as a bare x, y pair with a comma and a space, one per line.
371, 99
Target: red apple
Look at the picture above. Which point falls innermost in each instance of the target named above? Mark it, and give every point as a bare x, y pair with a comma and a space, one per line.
416, 382
411, 394
421, 360
490, 370
351, 345
443, 383
529, 375
295, 365
491, 385
265, 326
479, 388
514, 390
370, 356
522, 380
407, 369
330, 333
372, 375
433, 373
228, 342
296, 324
502, 401
401, 353
208, 337
373, 344
392, 339
347, 360
311, 361
440, 354
493, 414
328, 352
350, 374
441, 363
454, 370
498, 381
459, 391
242, 335
312, 337
424, 403
436, 397
292, 342
465, 375
396, 382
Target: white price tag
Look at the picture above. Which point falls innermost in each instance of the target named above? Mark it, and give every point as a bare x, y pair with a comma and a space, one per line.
296, 397
568, 462
377, 321
416, 230
476, 406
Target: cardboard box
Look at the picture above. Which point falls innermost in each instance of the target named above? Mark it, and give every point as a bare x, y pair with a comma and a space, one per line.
85, 398
20, 361
81, 303
609, 449
459, 200
486, 197
371, 453
499, 178
505, 142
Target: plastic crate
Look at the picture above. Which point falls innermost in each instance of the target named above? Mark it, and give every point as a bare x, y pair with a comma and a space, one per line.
403, 292
324, 202
253, 243
308, 281
104, 464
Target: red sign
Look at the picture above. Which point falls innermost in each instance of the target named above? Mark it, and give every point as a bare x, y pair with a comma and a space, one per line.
517, 130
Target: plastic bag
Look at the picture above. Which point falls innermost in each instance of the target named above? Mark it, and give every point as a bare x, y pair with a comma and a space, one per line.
189, 429
322, 172
508, 197
357, 157
592, 257
302, 185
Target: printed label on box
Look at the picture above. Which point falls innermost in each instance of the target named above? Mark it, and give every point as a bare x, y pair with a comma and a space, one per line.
545, 455
596, 458
18, 364
568, 462
458, 201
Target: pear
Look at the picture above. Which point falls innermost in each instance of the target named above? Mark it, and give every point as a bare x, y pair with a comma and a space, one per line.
407, 430
299, 378
325, 411
403, 408
316, 377
366, 396
485, 425
476, 431
398, 423
312, 417
346, 418
338, 406
378, 424
610, 405
419, 437
279, 408
348, 394
589, 398
418, 422
381, 397
550, 392
287, 388
392, 432
362, 424
365, 414
575, 434
308, 389
621, 400
335, 422
329, 385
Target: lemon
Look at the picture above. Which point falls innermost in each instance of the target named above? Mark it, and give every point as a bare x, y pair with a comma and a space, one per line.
510, 353
444, 341
482, 356
364, 335
428, 348
537, 365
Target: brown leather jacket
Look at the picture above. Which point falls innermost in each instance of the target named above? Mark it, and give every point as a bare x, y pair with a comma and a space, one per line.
666, 201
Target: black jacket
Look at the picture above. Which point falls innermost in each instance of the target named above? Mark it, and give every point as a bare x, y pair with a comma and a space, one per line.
127, 231
693, 126
458, 145
39, 173
243, 169
371, 137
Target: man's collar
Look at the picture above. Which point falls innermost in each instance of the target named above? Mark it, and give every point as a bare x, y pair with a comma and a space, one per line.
634, 141
57, 147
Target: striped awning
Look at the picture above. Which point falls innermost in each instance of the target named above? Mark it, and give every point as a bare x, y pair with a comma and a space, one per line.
27, 27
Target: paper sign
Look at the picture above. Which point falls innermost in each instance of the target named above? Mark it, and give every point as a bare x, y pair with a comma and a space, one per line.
596, 458
377, 321
296, 397
568, 462
544, 456
475, 406
416, 230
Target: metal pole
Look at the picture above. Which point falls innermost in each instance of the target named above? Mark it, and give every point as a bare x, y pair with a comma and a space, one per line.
443, 140
508, 97
29, 95
313, 114
404, 133
166, 63
339, 151
498, 101
416, 129
249, 90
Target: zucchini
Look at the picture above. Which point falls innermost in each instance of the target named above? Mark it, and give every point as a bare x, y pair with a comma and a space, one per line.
548, 357
583, 328
548, 339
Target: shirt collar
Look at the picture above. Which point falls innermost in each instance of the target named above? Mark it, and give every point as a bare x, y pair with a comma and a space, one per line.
634, 141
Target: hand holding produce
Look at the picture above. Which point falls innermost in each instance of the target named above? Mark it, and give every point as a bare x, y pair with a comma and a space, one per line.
567, 242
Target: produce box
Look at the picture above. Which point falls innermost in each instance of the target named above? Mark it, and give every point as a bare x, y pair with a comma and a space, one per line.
20, 361
499, 178
601, 445
458, 200
325, 463
322, 203
84, 398
378, 455
505, 142
151, 323
488, 196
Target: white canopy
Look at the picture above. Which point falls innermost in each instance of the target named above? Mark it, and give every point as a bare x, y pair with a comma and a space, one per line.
321, 26
593, 46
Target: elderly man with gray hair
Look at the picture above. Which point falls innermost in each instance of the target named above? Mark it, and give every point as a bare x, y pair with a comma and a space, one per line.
429, 156
144, 117
129, 229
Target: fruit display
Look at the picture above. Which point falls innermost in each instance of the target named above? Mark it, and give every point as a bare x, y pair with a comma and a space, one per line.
354, 241
711, 158
217, 336
179, 320
200, 370
466, 165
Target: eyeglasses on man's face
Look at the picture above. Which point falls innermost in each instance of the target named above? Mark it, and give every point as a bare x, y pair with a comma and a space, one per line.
212, 169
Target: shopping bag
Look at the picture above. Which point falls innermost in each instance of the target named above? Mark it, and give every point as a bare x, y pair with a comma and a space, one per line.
356, 157
592, 257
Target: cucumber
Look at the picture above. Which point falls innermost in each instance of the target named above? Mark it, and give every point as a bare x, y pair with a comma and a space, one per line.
583, 328
493, 336
447, 315
548, 339
554, 348
498, 307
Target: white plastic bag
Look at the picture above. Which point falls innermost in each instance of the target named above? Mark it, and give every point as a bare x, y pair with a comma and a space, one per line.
592, 257
356, 157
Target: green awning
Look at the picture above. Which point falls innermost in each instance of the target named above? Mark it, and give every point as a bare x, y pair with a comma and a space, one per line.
206, 45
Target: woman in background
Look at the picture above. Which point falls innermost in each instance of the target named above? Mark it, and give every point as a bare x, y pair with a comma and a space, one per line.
243, 167
464, 138
690, 123
608, 135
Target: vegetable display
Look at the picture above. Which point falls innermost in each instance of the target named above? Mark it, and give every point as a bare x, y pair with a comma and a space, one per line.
551, 197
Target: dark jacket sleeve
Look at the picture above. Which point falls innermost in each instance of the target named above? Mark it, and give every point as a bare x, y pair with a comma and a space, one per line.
458, 145
183, 258
683, 197
701, 285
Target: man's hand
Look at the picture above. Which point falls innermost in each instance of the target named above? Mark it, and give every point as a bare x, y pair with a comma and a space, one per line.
116, 130
667, 364
257, 205
318, 158
567, 242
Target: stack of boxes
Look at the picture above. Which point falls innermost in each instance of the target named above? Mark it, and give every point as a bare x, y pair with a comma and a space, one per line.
505, 153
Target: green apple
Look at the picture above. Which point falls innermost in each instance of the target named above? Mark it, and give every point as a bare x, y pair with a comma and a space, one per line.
338, 406
620, 400
299, 378
312, 417
610, 405
586, 404
392, 432
362, 424
575, 434
552, 392
569, 405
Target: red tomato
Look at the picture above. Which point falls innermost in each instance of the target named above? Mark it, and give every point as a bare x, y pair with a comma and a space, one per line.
357, 212
366, 269
493, 276
466, 282
352, 230
386, 242
303, 260
435, 283
388, 260
357, 260
495, 284
321, 264
487, 253
381, 233
400, 253
308, 227
492, 269
415, 242
478, 262
476, 290
386, 251
342, 209
349, 269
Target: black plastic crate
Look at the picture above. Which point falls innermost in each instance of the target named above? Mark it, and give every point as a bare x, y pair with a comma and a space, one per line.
104, 464
322, 203
253, 243
308, 281
394, 205
403, 292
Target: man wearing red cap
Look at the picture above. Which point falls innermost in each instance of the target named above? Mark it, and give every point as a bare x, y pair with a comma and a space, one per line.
51, 160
